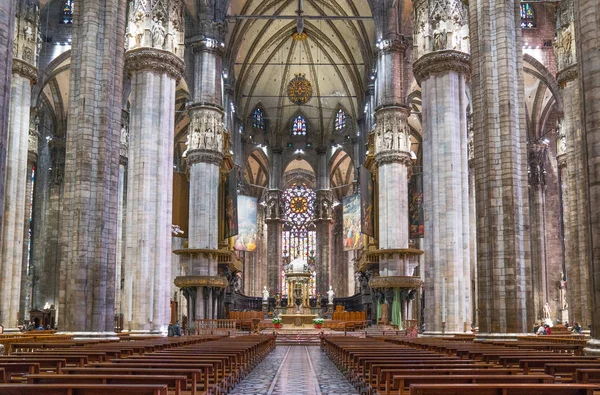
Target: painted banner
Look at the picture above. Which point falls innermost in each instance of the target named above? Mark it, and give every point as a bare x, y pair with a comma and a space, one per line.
367, 197
352, 235
246, 238
415, 206
231, 204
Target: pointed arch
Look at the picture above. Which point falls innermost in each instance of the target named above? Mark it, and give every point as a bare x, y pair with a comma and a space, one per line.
299, 125
258, 119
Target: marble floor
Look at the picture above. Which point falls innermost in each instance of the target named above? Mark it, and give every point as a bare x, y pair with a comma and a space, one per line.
295, 370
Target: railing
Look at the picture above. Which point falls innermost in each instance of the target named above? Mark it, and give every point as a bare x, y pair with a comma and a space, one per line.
204, 327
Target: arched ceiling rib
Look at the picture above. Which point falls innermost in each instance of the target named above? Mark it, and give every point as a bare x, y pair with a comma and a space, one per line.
336, 58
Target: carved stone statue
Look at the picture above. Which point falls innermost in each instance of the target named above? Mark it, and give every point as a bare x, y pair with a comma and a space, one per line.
547, 311
158, 34
265, 293
440, 38
330, 294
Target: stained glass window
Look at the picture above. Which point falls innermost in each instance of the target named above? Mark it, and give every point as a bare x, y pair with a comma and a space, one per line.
258, 119
68, 11
299, 236
340, 120
299, 126
527, 16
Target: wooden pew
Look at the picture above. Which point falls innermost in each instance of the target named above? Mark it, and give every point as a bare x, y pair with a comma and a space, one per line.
82, 389
565, 371
178, 383
193, 375
585, 376
402, 382
18, 369
503, 389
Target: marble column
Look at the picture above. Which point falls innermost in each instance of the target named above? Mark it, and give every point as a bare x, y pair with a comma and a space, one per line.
587, 33
274, 220
442, 70
202, 285
537, 157
574, 175
26, 300
7, 20
500, 165
154, 64
323, 222
24, 74
89, 217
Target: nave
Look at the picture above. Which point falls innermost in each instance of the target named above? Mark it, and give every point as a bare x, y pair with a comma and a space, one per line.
302, 370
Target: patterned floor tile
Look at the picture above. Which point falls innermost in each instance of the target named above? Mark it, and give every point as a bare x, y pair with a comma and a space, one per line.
295, 370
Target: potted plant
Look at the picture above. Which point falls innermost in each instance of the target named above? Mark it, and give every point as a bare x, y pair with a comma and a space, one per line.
318, 322
277, 322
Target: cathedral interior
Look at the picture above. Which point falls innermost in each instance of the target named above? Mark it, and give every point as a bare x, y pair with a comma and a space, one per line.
432, 164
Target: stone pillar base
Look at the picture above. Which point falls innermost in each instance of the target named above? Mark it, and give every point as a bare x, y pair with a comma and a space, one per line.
330, 310
265, 310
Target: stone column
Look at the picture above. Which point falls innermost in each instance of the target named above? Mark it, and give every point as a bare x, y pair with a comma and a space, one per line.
587, 32
24, 74
537, 156
443, 71
503, 248
26, 299
7, 20
323, 222
122, 303
89, 216
274, 220
204, 155
154, 64
570, 144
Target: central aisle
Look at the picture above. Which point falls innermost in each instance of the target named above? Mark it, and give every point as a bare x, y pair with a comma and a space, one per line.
298, 370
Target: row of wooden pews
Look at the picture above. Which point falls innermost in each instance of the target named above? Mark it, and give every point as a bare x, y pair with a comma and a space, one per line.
432, 366
181, 365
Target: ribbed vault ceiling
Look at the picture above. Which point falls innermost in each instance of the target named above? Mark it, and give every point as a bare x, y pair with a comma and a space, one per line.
335, 57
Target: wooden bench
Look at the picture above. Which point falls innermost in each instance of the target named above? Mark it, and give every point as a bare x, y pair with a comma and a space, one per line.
585, 376
192, 375
178, 383
565, 371
18, 369
402, 382
384, 377
82, 389
503, 389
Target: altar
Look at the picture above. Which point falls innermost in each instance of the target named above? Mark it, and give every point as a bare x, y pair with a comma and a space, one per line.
297, 320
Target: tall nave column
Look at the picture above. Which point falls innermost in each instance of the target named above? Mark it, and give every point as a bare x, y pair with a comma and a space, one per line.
154, 63
392, 155
574, 175
88, 222
274, 220
24, 74
442, 70
500, 155
587, 33
202, 286
323, 221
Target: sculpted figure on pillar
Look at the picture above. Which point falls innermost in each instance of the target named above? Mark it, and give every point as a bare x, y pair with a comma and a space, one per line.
323, 205
564, 40
392, 133
25, 44
206, 130
274, 209
156, 24
536, 160
34, 123
440, 25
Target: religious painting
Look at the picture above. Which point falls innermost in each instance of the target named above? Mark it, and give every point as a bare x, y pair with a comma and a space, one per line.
352, 236
367, 197
415, 206
231, 205
246, 237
